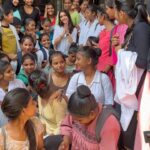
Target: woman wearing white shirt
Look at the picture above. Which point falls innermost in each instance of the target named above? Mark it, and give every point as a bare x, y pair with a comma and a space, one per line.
99, 83
7, 83
64, 33
91, 27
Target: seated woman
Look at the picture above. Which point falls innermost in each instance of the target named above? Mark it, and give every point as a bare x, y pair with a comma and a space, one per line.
99, 83
51, 109
22, 130
79, 126
59, 77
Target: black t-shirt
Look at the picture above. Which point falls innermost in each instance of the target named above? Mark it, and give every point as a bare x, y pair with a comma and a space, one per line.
35, 15
140, 43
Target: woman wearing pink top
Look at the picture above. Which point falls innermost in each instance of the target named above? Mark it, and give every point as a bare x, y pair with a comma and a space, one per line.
78, 128
106, 60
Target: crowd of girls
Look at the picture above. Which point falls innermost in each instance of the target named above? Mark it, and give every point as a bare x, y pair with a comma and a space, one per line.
77, 78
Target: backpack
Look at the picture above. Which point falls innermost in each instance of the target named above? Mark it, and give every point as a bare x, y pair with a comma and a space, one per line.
45, 57
104, 115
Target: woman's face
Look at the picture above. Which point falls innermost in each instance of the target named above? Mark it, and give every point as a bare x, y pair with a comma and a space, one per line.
89, 14
110, 12
28, 2
46, 27
85, 120
50, 10
8, 74
81, 61
15, 2
31, 108
64, 18
28, 66
9, 17
58, 64
27, 46
45, 41
31, 27
101, 19
84, 6
120, 16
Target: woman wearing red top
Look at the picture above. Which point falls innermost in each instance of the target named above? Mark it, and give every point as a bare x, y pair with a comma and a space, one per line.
50, 14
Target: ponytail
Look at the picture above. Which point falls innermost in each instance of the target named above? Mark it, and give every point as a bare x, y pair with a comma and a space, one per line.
141, 13
136, 11
29, 127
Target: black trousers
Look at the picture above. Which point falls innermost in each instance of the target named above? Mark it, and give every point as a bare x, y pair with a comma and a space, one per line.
127, 138
52, 142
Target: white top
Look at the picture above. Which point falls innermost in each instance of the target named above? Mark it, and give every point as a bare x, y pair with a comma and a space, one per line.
87, 30
40, 58
127, 79
64, 45
82, 18
12, 85
12, 144
100, 87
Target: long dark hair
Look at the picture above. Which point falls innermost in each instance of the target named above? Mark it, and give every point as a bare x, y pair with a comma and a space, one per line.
136, 11
12, 105
71, 27
82, 102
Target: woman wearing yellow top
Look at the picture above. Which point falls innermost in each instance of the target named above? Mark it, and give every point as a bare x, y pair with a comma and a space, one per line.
51, 109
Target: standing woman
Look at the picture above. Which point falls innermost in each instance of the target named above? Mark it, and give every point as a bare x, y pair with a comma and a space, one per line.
99, 83
50, 14
106, 60
29, 11
136, 46
64, 33
91, 27
20, 132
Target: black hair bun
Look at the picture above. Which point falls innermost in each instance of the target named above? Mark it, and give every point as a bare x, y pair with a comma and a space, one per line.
98, 51
83, 91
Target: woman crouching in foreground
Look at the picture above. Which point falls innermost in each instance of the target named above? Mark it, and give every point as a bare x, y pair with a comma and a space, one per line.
79, 126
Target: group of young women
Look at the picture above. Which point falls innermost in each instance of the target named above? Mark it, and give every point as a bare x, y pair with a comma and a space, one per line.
96, 105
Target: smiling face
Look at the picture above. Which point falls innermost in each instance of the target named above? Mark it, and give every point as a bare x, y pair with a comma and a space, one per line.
50, 10
90, 15
45, 41
27, 46
67, 4
63, 18
84, 6
46, 27
8, 74
82, 62
15, 2
28, 66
